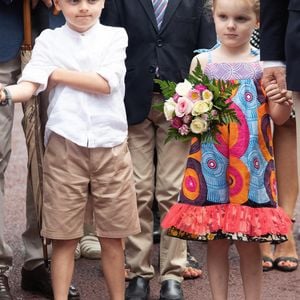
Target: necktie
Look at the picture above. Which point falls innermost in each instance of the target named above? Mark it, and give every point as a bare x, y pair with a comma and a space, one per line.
159, 10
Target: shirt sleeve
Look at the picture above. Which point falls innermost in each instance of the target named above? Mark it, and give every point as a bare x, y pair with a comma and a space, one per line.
113, 68
40, 66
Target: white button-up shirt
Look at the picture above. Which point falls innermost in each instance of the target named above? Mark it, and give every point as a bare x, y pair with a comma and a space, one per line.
87, 119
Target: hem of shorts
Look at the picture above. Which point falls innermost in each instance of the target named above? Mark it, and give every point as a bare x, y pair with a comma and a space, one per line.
53, 236
118, 234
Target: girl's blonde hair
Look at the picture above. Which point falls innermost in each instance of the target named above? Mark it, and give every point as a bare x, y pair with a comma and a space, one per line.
209, 5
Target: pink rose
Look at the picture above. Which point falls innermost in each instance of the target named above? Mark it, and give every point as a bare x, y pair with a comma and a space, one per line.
183, 107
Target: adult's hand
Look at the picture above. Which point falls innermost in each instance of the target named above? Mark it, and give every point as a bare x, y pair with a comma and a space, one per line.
275, 73
34, 3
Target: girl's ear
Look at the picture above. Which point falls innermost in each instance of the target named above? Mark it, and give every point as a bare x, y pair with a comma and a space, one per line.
257, 25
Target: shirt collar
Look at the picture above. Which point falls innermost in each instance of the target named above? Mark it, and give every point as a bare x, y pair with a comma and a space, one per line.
80, 34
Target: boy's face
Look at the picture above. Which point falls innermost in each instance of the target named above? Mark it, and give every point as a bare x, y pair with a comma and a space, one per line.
80, 15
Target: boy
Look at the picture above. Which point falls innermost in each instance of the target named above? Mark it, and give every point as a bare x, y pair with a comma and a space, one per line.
82, 63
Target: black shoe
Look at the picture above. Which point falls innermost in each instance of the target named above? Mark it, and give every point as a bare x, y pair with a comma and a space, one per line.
4, 287
138, 289
38, 280
171, 290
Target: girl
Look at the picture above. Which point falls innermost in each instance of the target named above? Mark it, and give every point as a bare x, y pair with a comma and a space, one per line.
229, 189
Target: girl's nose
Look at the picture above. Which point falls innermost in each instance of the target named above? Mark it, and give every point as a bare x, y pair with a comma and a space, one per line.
231, 24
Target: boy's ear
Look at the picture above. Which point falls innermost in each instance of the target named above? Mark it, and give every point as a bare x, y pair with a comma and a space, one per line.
57, 5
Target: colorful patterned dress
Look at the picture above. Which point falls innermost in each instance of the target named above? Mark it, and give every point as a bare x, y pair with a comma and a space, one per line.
229, 188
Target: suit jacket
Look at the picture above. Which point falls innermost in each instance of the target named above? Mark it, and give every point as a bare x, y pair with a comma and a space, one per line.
280, 36
185, 28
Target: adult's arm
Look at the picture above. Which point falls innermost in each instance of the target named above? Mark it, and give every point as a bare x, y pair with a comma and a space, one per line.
273, 23
111, 13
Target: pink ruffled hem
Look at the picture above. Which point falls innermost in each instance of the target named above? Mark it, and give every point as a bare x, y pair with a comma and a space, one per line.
228, 218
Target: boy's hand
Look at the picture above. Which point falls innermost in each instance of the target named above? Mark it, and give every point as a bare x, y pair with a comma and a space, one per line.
275, 94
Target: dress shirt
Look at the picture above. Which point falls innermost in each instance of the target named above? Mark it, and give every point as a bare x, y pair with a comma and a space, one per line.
87, 119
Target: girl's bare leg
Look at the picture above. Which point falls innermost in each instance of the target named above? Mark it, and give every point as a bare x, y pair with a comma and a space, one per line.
62, 267
218, 268
251, 271
112, 257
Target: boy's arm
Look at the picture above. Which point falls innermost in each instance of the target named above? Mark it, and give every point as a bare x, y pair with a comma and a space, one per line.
90, 82
21, 92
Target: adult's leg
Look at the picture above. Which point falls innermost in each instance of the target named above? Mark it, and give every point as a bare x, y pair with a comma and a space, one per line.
286, 167
171, 162
8, 73
113, 267
62, 267
218, 268
250, 265
139, 247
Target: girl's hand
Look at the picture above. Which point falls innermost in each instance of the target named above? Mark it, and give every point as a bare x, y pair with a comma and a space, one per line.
279, 96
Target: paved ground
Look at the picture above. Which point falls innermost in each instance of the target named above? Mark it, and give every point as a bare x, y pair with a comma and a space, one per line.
88, 276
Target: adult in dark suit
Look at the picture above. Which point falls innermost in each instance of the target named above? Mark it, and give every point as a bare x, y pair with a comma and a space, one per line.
280, 52
163, 52
35, 277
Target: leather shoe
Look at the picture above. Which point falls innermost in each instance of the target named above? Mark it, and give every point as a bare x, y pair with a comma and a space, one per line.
38, 280
171, 290
4, 287
138, 289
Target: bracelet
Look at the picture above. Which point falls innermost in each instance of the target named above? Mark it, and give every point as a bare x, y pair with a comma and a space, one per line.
8, 97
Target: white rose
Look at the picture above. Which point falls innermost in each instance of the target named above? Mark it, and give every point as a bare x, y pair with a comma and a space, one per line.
169, 108
207, 95
183, 88
198, 125
201, 107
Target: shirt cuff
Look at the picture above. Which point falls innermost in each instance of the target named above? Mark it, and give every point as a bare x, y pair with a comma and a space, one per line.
273, 63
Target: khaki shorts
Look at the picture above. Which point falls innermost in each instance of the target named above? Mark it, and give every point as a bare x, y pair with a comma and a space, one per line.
72, 175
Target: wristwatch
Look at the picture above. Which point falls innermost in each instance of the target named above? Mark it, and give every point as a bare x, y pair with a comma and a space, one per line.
8, 98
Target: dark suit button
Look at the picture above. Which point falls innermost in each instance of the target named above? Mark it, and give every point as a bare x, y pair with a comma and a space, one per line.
152, 69
159, 43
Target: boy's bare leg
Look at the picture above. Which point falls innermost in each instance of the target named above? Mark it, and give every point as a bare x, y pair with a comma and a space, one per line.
218, 268
112, 257
251, 270
62, 266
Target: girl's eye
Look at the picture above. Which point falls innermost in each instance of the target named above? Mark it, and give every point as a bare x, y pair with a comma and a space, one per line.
241, 19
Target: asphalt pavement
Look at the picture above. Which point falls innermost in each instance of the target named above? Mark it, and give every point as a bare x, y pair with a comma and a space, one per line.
88, 276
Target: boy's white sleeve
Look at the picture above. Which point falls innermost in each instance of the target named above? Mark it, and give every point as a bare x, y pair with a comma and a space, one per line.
40, 67
113, 68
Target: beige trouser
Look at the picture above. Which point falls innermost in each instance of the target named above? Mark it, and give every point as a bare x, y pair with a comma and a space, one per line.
296, 99
164, 182
33, 254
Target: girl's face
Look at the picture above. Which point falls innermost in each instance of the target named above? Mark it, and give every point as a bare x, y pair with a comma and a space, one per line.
80, 15
235, 21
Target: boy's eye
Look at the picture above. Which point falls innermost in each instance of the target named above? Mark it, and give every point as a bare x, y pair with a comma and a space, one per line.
222, 17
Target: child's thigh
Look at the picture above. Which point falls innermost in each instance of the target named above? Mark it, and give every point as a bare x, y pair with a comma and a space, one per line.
113, 193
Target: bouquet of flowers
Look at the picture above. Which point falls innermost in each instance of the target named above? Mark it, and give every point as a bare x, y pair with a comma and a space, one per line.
197, 106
